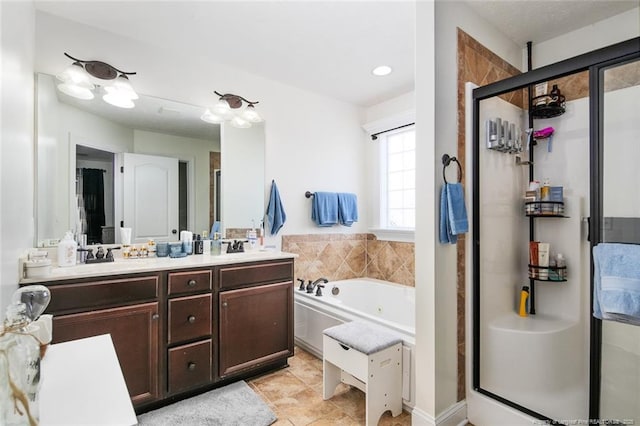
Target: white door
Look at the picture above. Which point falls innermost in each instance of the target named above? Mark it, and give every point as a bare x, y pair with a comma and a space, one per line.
150, 197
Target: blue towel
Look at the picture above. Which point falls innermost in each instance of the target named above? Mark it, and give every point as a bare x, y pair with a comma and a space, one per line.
275, 211
324, 209
453, 213
616, 289
347, 208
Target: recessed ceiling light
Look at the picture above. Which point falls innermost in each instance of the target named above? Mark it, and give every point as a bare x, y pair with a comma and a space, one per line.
382, 70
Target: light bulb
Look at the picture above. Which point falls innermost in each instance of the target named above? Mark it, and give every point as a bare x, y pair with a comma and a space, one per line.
210, 117
250, 114
76, 74
116, 99
221, 108
239, 122
76, 91
122, 87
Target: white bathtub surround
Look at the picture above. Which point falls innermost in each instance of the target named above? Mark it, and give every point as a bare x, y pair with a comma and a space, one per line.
385, 304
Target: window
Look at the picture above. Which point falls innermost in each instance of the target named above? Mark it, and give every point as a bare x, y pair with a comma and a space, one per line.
398, 179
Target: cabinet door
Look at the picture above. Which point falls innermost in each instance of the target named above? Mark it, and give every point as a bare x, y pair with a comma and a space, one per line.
256, 327
135, 334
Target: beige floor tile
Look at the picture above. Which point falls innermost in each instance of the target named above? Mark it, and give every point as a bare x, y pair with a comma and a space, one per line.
279, 386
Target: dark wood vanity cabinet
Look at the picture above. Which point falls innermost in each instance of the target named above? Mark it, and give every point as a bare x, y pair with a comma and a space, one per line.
185, 331
190, 324
128, 310
256, 317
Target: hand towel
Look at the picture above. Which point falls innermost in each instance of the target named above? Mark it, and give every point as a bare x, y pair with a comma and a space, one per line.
445, 231
347, 208
453, 213
275, 211
324, 208
616, 289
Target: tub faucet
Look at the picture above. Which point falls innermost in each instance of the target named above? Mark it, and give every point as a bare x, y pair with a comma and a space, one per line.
312, 285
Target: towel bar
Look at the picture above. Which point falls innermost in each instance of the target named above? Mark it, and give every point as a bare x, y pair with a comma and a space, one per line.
309, 194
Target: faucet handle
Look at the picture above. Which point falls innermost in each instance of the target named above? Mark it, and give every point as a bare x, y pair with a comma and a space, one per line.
319, 288
302, 287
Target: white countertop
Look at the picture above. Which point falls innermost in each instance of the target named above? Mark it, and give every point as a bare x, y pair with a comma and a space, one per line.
82, 384
152, 264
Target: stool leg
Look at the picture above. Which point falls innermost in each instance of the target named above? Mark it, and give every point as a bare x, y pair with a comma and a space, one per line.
330, 379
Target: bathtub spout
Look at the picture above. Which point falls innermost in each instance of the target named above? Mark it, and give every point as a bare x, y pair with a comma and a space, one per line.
312, 285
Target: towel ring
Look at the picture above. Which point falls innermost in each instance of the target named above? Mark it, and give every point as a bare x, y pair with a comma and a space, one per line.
446, 160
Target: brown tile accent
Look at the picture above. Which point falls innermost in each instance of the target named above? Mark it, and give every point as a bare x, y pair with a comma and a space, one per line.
481, 66
344, 256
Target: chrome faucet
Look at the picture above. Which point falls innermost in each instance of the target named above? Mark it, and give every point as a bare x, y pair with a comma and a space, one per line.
317, 282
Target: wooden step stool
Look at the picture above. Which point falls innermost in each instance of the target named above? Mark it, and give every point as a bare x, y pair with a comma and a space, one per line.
367, 357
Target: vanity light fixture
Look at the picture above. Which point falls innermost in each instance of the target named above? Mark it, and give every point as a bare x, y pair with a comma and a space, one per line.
229, 109
82, 78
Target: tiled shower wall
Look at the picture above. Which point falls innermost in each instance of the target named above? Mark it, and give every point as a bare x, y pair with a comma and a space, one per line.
344, 256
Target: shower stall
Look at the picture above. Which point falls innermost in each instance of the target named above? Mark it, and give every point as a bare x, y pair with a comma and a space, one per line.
536, 346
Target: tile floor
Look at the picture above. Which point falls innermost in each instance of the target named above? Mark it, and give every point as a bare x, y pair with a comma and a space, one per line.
295, 396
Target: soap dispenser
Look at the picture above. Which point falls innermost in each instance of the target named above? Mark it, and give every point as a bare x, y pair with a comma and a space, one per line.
67, 250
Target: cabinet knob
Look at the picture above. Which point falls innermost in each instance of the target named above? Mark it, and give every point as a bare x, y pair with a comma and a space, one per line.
224, 304
192, 283
155, 316
191, 366
191, 319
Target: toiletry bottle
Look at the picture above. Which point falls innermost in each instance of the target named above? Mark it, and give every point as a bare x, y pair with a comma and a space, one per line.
197, 245
555, 96
561, 265
206, 243
216, 244
545, 190
67, 250
252, 236
524, 296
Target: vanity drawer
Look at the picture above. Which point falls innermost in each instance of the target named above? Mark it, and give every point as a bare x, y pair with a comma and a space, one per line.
189, 282
79, 297
189, 366
189, 318
242, 276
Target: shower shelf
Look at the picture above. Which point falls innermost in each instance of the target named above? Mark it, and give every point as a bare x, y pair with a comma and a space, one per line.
547, 110
554, 273
544, 209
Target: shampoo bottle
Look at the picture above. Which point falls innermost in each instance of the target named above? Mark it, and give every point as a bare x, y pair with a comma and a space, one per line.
524, 297
67, 250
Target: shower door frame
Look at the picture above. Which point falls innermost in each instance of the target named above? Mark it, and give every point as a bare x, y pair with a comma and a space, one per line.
594, 62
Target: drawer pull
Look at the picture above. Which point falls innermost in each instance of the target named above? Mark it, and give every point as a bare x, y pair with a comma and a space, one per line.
346, 348
155, 316
224, 304
191, 366
192, 283
191, 319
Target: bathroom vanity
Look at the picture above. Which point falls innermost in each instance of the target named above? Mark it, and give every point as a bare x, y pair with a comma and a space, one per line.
180, 326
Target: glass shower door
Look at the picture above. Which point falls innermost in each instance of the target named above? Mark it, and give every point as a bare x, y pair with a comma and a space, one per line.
620, 174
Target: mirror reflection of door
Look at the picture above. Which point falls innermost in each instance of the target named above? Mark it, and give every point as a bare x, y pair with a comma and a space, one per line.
94, 194
151, 202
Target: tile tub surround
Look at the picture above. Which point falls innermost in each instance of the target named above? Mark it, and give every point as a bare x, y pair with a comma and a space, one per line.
344, 256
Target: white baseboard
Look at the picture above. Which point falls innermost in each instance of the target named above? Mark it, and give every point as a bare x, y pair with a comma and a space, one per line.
455, 415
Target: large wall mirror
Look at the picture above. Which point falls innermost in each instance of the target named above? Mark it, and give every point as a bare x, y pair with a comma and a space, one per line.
86, 151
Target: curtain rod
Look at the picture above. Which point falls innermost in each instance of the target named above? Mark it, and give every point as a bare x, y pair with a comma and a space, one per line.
375, 135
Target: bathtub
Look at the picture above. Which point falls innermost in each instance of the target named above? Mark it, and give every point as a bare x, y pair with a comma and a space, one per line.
365, 299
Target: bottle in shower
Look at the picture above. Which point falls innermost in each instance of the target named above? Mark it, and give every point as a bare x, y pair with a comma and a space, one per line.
524, 297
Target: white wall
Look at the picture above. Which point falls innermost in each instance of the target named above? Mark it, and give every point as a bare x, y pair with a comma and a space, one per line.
16, 145
436, 113
312, 142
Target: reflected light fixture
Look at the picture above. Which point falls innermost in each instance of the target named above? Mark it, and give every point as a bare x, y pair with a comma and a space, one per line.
229, 108
83, 78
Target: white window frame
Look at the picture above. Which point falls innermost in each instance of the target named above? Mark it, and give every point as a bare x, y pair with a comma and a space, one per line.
376, 191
